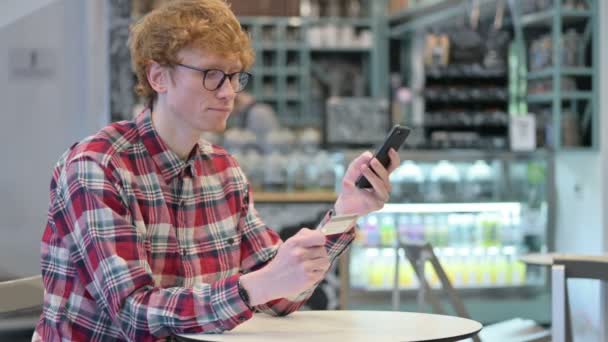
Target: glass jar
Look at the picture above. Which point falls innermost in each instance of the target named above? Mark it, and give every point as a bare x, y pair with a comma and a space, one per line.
445, 182
480, 182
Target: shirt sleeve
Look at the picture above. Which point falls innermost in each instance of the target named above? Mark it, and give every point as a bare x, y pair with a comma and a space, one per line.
260, 244
108, 250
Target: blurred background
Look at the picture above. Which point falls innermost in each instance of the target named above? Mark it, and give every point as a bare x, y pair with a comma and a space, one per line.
505, 158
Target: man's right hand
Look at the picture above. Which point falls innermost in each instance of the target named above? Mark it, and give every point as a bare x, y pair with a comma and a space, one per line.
299, 264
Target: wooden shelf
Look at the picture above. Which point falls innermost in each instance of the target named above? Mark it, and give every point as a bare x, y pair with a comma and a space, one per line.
265, 71
295, 197
342, 49
545, 18
341, 21
563, 96
274, 46
429, 7
567, 71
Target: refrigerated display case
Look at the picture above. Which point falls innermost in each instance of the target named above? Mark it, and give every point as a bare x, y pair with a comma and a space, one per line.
480, 212
477, 244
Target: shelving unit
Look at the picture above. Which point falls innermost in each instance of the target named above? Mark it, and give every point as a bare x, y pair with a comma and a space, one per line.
553, 20
281, 78
286, 61
581, 102
473, 103
450, 101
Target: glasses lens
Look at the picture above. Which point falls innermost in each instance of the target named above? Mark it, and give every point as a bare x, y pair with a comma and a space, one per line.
240, 80
212, 79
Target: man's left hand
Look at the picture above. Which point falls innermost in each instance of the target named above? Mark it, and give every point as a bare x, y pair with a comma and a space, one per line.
353, 200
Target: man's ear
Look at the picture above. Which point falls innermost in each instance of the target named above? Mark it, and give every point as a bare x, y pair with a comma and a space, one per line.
157, 77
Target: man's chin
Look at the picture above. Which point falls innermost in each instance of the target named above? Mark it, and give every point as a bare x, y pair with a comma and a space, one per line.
219, 128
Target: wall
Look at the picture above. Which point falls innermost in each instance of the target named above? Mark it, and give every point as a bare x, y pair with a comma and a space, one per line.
582, 219
603, 90
579, 222
45, 108
13, 10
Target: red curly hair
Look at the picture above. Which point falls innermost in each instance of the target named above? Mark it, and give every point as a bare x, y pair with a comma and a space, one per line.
206, 24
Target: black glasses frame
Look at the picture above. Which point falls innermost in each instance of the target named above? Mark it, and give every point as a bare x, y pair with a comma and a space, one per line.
219, 85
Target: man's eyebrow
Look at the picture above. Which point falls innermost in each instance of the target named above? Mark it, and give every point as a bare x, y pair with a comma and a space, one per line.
221, 67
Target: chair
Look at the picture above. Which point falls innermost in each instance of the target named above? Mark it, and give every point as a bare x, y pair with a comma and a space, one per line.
20, 304
418, 254
563, 268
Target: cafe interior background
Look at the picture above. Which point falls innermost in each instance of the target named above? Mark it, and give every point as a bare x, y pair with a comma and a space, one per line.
506, 155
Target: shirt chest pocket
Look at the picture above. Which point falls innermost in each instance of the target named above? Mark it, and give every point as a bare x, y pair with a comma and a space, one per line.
217, 236
218, 246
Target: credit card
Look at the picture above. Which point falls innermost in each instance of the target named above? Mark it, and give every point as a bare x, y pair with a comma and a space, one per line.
339, 224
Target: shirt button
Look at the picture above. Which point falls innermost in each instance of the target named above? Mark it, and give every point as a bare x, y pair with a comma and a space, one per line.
184, 252
230, 241
181, 202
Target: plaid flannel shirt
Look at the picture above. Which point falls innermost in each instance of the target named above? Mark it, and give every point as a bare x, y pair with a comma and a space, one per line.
140, 245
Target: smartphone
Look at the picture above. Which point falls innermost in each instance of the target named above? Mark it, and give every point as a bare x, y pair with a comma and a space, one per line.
395, 138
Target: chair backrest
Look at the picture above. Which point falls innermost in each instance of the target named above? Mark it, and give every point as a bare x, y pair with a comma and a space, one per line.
21, 294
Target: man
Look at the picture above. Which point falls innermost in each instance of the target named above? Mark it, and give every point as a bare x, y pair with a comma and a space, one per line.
151, 230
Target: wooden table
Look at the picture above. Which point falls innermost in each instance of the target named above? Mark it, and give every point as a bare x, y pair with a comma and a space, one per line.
541, 259
347, 326
546, 259
565, 266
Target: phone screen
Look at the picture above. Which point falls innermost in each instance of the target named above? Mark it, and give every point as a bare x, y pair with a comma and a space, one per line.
395, 138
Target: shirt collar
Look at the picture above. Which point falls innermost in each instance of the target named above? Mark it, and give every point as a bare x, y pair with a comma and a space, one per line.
167, 161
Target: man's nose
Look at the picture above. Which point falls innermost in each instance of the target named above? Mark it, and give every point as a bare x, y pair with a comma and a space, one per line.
226, 90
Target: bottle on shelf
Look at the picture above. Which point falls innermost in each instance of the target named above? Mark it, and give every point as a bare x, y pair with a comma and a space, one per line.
388, 231
327, 177
372, 233
358, 268
254, 169
430, 231
489, 227
442, 230
375, 276
374, 269
295, 165
456, 233
275, 175
388, 267
417, 231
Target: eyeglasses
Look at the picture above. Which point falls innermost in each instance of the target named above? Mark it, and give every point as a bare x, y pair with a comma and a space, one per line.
213, 79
